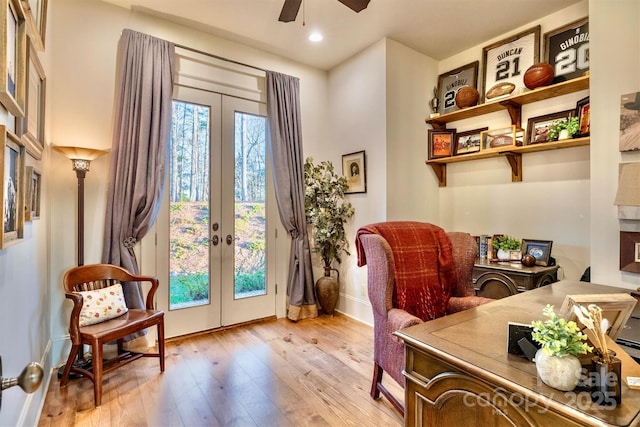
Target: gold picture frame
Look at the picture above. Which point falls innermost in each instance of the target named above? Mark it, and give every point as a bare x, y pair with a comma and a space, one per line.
33, 121
36, 16
33, 184
616, 308
354, 168
13, 45
12, 188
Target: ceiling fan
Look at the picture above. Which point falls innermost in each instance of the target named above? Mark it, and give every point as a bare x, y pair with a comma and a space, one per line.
290, 8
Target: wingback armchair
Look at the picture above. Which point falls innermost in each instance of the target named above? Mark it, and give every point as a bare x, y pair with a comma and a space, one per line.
452, 256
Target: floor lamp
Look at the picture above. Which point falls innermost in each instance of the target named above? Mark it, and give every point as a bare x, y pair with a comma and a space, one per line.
80, 160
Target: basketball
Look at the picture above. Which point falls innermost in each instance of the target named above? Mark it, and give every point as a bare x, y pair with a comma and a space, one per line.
537, 75
467, 97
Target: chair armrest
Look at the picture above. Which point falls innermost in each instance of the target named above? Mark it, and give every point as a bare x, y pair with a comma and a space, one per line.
74, 322
400, 319
149, 302
457, 304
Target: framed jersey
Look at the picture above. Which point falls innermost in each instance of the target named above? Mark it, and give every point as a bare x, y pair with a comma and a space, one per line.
567, 50
507, 60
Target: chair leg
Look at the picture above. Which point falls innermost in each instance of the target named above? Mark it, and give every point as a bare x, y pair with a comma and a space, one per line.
377, 379
161, 344
67, 367
97, 372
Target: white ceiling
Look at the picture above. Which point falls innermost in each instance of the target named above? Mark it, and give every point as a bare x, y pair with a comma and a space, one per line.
437, 28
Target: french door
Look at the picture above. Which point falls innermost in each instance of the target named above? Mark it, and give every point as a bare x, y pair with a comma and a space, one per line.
214, 248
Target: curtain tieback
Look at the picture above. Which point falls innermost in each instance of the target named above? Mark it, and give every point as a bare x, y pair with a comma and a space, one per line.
129, 242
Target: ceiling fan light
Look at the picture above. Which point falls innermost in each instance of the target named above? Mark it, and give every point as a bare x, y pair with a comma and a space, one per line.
315, 37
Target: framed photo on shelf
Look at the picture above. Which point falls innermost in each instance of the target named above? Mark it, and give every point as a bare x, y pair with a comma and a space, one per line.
450, 82
538, 127
12, 190
507, 60
13, 40
467, 142
36, 16
630, 251
539, 249
354, 168
616, 308
33, 120
33, 183
440, 143
498, 138
567, 50
583, 113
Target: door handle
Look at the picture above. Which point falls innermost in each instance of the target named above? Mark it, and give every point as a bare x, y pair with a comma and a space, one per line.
215, 240
230, 239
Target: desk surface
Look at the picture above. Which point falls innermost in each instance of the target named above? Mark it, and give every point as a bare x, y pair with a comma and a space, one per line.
475, 342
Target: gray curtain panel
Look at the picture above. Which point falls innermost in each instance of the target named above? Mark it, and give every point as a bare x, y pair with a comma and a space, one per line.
283, 109
140, 141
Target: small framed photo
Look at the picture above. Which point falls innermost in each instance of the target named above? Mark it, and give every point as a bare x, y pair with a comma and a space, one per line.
567, 50
583, 111
12, 190
616, 308
539, 249
467, 142
13, 44
495, 139
33, 183
36, 16
440, 143
507, 60
355, 170
629, 122
630, 251
33, 120
450, 82
538, 127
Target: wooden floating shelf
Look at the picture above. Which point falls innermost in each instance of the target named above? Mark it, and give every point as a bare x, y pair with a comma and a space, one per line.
511, 153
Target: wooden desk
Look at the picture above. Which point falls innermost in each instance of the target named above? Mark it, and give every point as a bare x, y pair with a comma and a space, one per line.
458, 371
502, 279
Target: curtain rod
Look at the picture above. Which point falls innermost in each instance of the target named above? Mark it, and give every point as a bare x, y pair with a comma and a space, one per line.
219, 57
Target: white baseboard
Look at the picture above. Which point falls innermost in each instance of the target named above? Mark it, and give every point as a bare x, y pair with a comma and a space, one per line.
356, 308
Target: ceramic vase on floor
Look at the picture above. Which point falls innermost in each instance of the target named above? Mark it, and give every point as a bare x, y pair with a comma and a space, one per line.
328, 290
560, 372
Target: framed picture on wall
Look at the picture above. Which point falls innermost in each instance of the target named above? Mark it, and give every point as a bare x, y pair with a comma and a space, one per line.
507, 60
33, 183
36, 16
354, 168
440, 143
630, 122
33, 121
13, 38
567, 50
450, 82
630, 251
12, 189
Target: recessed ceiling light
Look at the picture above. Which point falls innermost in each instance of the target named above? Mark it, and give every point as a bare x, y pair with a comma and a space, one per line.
315, 37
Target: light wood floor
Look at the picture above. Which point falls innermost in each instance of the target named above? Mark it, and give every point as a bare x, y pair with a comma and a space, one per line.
316, 372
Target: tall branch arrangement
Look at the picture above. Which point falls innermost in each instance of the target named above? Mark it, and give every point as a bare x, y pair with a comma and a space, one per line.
591, 318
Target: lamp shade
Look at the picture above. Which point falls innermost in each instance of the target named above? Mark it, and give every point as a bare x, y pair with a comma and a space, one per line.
80, 153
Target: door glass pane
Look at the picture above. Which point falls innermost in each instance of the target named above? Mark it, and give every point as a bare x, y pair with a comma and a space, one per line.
189, 206
250, 195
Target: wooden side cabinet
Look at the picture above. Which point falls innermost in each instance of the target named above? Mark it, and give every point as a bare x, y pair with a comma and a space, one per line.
501, 279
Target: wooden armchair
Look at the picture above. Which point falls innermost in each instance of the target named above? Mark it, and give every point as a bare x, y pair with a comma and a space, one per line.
100, 316
446, 285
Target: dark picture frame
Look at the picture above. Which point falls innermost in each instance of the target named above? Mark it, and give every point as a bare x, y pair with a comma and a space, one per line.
496, 139
537, 127
507, 60
354, 168
13, 44
12, 189
450, 82
583, 113
630, 251
440, 142
468, 142
567, 49
539, 249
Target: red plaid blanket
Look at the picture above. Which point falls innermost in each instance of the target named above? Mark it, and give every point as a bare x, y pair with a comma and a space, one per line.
425, 274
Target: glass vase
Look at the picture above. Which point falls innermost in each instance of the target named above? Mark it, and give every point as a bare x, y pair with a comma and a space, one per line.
606, 379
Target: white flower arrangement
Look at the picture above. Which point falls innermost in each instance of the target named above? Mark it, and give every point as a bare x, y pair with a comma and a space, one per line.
591, 318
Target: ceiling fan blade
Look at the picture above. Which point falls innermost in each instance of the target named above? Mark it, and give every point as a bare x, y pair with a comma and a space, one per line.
355, 5
290, 10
